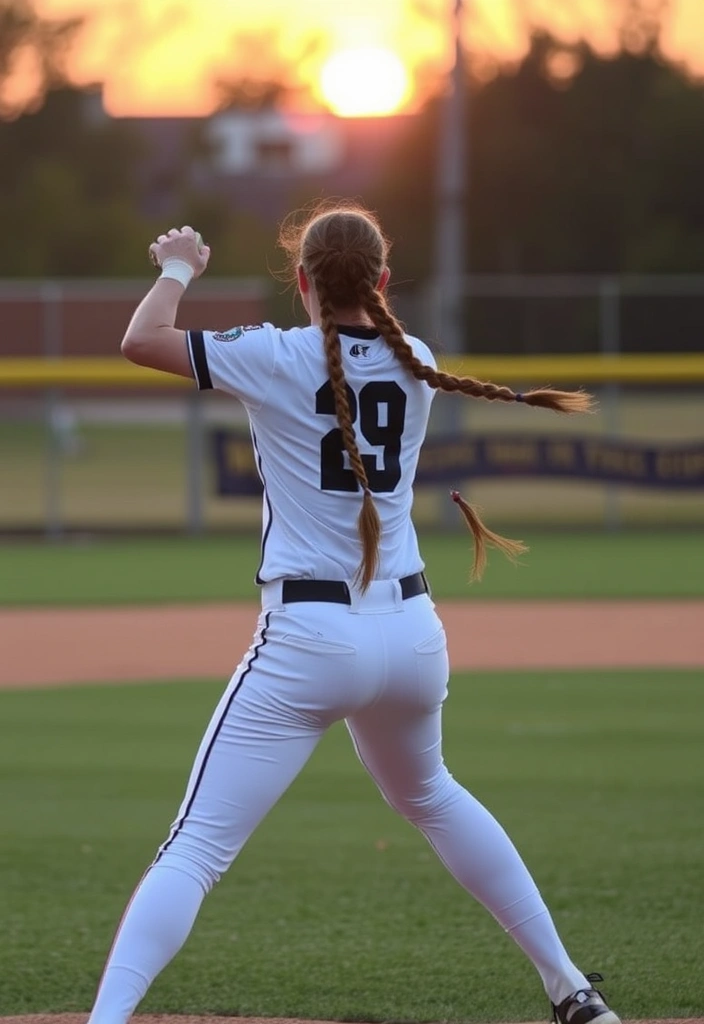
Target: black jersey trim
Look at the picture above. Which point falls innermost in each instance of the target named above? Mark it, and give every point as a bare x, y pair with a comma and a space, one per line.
258, 578
204, 764
200, 363
365, 333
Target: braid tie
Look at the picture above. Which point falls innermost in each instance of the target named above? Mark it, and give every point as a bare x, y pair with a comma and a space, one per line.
388, 326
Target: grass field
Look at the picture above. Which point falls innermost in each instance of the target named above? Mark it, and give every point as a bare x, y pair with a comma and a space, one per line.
337, 908
569, 565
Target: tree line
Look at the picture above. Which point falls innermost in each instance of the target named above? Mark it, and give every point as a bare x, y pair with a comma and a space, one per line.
577, 163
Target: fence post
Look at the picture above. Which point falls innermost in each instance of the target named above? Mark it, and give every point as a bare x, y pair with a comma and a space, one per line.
51, 295
610, 344
195, 449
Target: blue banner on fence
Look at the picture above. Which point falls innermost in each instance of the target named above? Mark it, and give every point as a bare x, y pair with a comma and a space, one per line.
449, 461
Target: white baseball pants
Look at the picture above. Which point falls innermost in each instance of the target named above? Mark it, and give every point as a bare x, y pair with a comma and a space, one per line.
381, 664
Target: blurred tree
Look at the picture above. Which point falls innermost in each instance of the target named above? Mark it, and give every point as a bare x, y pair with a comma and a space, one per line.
68, 196
579, 162
641, 25
597, 171
274, 86
34, 47
250, 94
80, 194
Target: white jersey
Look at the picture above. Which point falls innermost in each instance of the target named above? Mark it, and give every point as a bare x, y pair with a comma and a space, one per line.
311, 496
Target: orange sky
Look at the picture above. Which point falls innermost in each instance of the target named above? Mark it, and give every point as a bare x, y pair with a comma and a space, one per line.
160, 56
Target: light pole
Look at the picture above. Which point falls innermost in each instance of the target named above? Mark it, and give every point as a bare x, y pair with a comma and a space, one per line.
450, 237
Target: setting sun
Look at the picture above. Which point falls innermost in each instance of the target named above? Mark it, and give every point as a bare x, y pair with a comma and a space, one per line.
163, 57
364, 82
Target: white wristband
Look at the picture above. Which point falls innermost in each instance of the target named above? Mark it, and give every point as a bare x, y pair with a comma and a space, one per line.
177, 270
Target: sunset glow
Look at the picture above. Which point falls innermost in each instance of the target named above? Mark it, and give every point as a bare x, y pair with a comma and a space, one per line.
364, 82
162, 57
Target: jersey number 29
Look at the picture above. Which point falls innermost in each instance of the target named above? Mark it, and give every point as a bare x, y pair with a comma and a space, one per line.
382, 414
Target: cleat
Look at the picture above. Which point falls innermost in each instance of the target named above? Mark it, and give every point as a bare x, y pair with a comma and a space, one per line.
584, 1006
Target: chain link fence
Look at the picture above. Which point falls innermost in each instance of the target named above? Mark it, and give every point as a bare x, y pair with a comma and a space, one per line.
84, 460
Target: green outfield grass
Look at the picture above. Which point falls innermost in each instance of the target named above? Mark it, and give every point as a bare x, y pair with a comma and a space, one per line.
337, 909
567, 565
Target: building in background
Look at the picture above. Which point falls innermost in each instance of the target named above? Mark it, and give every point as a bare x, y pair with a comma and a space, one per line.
263, 161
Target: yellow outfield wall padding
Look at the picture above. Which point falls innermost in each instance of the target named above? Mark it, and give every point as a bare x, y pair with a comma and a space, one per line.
589, 369
77, 372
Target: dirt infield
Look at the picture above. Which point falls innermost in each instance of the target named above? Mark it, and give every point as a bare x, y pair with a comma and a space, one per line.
44, 647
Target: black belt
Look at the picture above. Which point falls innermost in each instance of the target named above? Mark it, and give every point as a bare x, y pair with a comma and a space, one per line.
337, 591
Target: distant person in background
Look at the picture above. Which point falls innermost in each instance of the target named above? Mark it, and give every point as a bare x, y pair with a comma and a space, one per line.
338, 411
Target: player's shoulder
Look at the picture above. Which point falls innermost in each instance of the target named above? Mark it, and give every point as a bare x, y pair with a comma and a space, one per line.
299, 344
421, 350
241, 331
270, 331
300, 333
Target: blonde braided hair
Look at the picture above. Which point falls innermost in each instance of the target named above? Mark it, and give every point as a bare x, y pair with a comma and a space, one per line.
368, 522
375, 305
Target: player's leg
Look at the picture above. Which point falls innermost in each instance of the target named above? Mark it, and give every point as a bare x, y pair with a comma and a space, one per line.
255, 745
399, 742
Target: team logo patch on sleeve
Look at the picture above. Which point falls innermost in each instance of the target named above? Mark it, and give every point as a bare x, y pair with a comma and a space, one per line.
232, 335
235, 332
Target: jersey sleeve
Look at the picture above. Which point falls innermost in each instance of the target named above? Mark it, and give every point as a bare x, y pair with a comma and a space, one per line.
240, 361
422, 351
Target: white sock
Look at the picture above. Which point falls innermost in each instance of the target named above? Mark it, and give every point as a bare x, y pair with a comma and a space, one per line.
529, 923
155, 925
479, 854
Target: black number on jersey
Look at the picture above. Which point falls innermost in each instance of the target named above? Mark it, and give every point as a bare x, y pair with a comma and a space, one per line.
382, 415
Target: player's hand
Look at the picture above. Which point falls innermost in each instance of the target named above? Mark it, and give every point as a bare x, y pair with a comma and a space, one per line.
183, 244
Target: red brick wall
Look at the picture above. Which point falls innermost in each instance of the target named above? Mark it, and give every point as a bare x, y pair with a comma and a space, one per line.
90, 319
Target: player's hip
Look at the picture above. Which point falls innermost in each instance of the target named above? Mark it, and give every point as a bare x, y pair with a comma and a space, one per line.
386, 644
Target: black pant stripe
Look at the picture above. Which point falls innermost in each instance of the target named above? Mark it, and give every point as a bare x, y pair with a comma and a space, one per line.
258, 578
180, 823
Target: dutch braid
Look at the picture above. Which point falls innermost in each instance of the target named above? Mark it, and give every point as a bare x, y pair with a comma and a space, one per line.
368, 522
388, 326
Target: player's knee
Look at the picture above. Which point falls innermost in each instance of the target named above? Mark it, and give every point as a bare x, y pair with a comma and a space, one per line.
428, 802
196, 868
202, 859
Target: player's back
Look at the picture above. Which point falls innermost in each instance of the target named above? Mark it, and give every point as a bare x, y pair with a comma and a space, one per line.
311, 497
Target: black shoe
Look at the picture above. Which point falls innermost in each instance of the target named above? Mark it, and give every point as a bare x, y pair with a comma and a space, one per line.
586, 1005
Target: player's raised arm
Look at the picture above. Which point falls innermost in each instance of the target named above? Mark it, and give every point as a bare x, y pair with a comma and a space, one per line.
151, 338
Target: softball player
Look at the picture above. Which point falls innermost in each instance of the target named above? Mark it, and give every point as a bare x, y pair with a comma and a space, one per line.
338, 413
